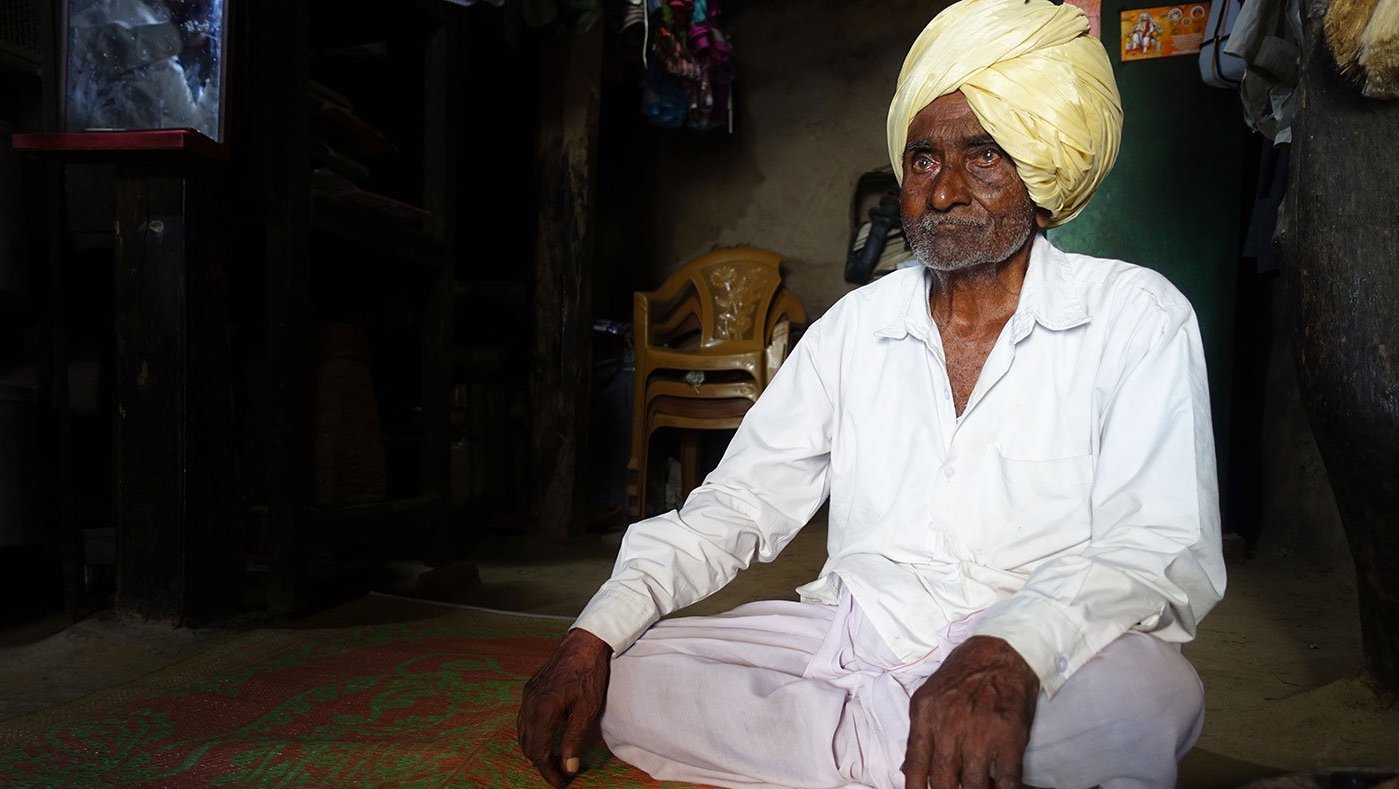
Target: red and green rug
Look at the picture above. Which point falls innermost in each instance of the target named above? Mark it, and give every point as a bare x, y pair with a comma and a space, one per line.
428, 702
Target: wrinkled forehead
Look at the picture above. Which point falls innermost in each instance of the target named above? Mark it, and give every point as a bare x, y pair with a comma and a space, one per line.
947, 120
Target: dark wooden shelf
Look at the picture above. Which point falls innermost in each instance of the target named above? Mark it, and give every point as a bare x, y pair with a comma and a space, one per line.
351, 133
356, 222
376, 248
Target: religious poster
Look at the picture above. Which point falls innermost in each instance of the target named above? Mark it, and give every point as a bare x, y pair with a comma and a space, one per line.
1094, 10
1164, 31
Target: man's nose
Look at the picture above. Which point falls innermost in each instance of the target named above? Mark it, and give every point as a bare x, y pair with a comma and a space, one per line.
949, 189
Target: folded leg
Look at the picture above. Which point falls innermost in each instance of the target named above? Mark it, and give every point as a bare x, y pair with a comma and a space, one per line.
787, 694
1124, 720
723, 700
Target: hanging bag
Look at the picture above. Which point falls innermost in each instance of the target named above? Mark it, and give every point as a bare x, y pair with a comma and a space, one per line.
1218, 69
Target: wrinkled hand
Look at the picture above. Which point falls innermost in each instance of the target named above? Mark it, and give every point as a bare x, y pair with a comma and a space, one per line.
970, 721
567, 692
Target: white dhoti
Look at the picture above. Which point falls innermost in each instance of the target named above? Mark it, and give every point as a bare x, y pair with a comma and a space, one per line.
787, 694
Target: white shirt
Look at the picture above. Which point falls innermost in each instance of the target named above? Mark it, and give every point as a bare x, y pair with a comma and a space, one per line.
1074, 499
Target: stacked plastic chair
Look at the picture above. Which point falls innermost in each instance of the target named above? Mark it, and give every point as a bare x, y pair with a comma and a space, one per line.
707, 343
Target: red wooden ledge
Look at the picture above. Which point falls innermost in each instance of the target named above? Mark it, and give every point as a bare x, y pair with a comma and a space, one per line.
154, 141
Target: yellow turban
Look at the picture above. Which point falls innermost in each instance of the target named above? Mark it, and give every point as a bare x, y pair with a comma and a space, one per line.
1037, 80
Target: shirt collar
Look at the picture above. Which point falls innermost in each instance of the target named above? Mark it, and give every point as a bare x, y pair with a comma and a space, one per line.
914, 319
1047, 297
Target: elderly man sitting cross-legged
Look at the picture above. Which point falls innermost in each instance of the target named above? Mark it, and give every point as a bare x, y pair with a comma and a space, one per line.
1017, 449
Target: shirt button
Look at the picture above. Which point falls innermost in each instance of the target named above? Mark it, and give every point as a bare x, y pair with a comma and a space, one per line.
1062, 664
949, 472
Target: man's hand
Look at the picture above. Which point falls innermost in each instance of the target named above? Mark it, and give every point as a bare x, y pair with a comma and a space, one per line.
970, 721
568, 691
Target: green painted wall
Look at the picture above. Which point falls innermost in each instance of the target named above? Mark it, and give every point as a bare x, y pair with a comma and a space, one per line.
1173, 201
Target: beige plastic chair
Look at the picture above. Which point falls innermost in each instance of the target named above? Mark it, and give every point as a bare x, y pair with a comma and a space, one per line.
707, 342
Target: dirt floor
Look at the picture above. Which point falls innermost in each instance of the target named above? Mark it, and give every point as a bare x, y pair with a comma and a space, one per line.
1279, 657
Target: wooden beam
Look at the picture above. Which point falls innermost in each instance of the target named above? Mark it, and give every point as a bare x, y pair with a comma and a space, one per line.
59, 288
442, 88
270, 155
1340, 244
561, 363
179, 556
74, 557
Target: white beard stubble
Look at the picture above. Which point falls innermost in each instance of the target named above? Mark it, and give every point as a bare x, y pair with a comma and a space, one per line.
1005, 238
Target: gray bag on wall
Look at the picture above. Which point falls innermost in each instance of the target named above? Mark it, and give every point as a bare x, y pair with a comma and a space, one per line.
1217, 68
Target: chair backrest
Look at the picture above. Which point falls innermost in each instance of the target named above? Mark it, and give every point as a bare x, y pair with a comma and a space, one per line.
733, 291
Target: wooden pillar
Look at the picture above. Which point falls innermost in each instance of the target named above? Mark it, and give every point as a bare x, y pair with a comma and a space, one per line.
272, 159
179, 557
561, 362
56, 230
59, 287
1340, 243
442, 69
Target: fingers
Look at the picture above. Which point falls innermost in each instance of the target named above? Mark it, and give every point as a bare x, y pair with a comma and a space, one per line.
915, 774
535, 727
947, 764
575, 737
1007, 772
953, 761
546, 764
970, 721
919, 751
539, 755
931, 761
976, 771
567, 693
958, 769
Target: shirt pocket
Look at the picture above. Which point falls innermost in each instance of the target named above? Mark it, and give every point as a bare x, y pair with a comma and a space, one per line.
1033, 510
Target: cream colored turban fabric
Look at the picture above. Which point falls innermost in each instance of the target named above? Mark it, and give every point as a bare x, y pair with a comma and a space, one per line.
1038, 81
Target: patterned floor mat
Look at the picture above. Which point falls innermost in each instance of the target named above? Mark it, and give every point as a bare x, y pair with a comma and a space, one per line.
423, 703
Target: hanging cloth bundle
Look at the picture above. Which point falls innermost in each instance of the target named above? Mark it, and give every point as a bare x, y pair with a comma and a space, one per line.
688, 76
1268, 36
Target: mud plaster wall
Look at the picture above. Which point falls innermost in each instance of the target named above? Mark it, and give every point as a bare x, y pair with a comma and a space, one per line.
814, 82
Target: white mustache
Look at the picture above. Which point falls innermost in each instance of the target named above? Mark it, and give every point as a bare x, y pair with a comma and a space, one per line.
930, 223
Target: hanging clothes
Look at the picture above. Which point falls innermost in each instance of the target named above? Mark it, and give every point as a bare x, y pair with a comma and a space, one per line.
687, 73
1267, 34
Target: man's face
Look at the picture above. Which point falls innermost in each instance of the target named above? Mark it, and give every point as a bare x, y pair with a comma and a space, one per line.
963, 203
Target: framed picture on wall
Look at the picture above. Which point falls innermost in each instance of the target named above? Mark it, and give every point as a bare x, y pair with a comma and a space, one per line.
1163, 31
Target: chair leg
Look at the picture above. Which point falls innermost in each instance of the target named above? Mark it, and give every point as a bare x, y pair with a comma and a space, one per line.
689, 461
643, 475
641, 484
640, 431
636, 480
636, 464
633, 495
636, 473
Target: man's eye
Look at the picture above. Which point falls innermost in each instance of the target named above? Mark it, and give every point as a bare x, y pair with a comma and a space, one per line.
922, 161
989, 156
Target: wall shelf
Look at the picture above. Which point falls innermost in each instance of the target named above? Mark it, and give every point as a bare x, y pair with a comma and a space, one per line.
379, 224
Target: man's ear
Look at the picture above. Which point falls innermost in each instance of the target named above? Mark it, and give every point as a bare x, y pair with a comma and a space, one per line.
1042, 217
